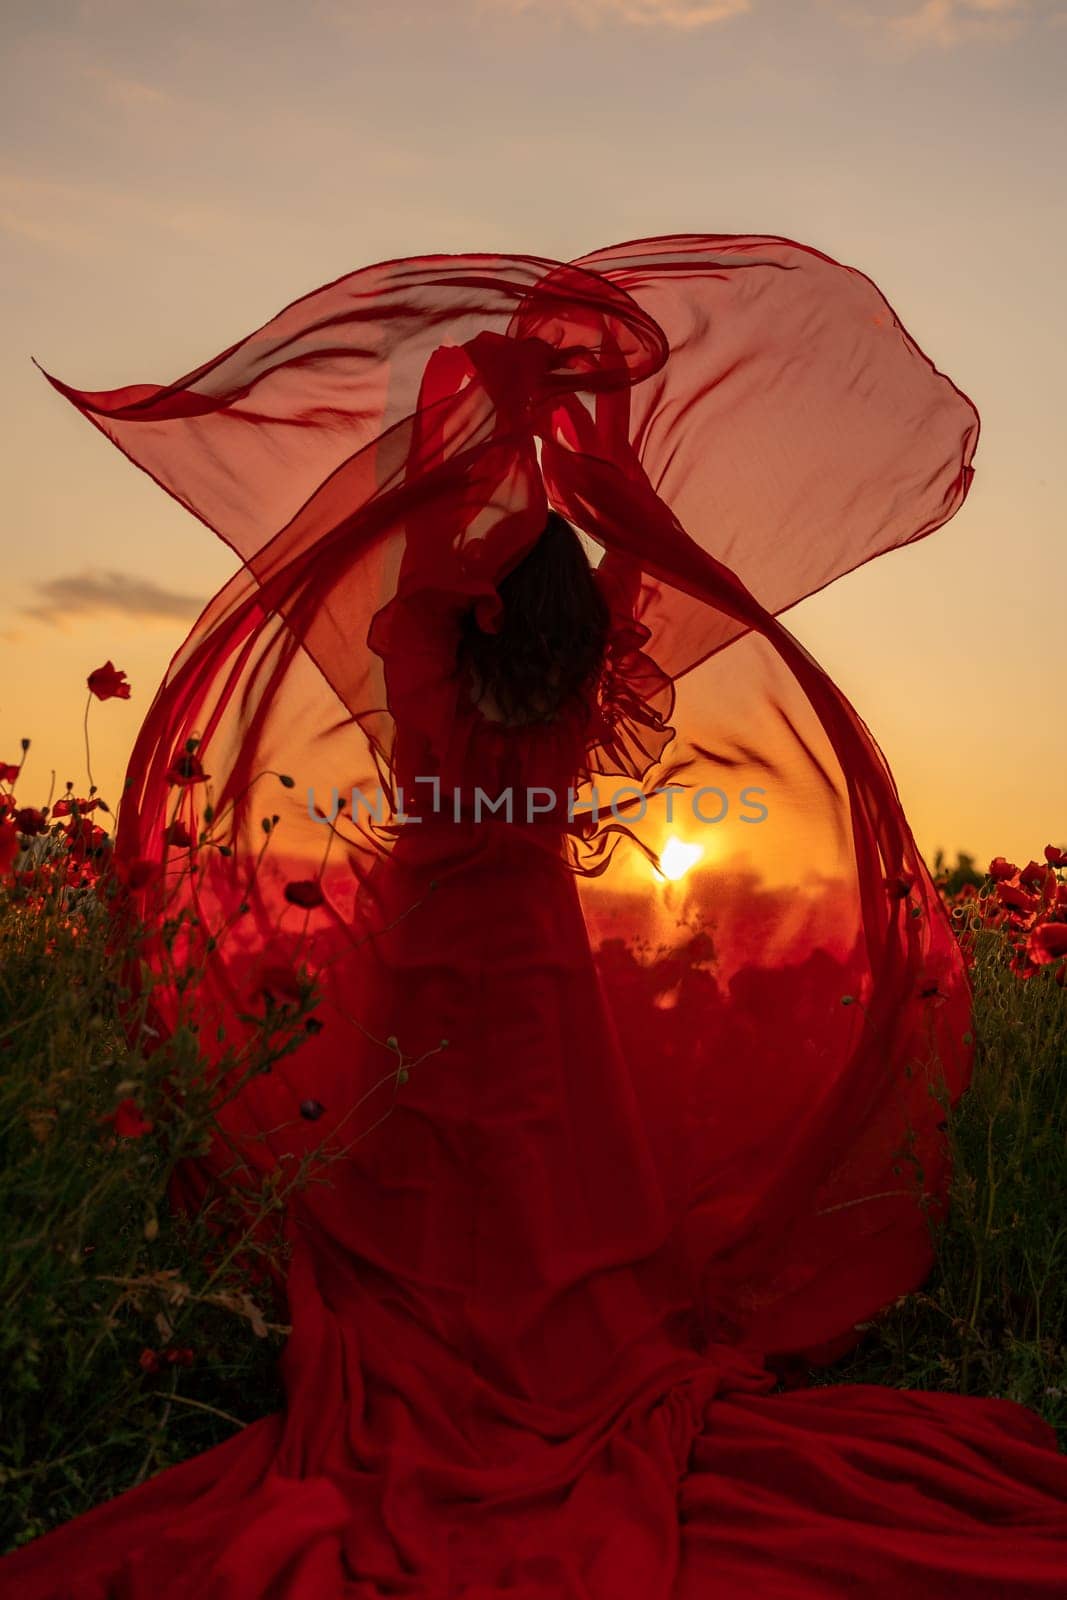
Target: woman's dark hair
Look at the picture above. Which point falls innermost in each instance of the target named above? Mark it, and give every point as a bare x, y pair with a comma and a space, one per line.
553, 634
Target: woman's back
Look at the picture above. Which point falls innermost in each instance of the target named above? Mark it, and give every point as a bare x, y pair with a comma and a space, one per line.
499, 708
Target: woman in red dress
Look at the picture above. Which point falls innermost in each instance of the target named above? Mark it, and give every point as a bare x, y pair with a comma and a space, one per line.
629, 964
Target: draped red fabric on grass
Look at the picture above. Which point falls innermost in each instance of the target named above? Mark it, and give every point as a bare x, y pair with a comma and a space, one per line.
649, 1077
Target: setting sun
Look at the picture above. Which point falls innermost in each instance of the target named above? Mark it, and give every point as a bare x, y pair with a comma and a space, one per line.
678, 857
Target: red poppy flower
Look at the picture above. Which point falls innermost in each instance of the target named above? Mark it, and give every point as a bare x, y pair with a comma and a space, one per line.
178, 835
185, 769
278, 980
305, 893
899, 888
148, 1361
1055, 856
137, 874
30, 820
72, 805
128, 1120
8, 774
108, 683
1047, 943
1016, 899
999, 869
1034, 874
84, 838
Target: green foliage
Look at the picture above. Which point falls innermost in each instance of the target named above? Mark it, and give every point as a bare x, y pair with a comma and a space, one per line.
993, 1318
131, 1335
953, 879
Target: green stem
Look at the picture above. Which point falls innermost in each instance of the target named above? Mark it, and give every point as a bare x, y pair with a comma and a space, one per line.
88, 766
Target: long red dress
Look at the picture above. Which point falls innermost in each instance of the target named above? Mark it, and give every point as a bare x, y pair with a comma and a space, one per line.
631, 1137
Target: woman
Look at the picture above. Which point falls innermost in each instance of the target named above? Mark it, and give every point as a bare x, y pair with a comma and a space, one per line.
629, 963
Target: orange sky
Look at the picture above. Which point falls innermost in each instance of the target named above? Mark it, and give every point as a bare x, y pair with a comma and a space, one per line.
171, 176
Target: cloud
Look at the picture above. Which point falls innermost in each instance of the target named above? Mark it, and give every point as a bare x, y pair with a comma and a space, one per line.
947, 22
130, 93
909, 26
83, 218
684, 15
28, 227
102, 593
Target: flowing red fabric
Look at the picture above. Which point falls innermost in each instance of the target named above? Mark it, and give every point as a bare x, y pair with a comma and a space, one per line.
647, 1077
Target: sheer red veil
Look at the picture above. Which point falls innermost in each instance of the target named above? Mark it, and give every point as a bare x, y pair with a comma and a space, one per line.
738, 421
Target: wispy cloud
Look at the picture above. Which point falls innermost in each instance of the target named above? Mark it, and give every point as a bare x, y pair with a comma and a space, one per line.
129, 93
948, 22
677, 14
26, 226
82, 218
103, 593
909, 26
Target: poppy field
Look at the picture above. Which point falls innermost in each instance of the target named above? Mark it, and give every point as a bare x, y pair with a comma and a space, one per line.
134, 1334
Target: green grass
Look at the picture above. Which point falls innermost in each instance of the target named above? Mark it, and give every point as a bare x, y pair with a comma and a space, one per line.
96, 1269
992, 1320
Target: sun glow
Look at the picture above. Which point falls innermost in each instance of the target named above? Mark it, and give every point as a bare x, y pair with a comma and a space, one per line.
677, 858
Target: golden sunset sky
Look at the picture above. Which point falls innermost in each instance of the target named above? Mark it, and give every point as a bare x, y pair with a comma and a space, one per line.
173, 174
